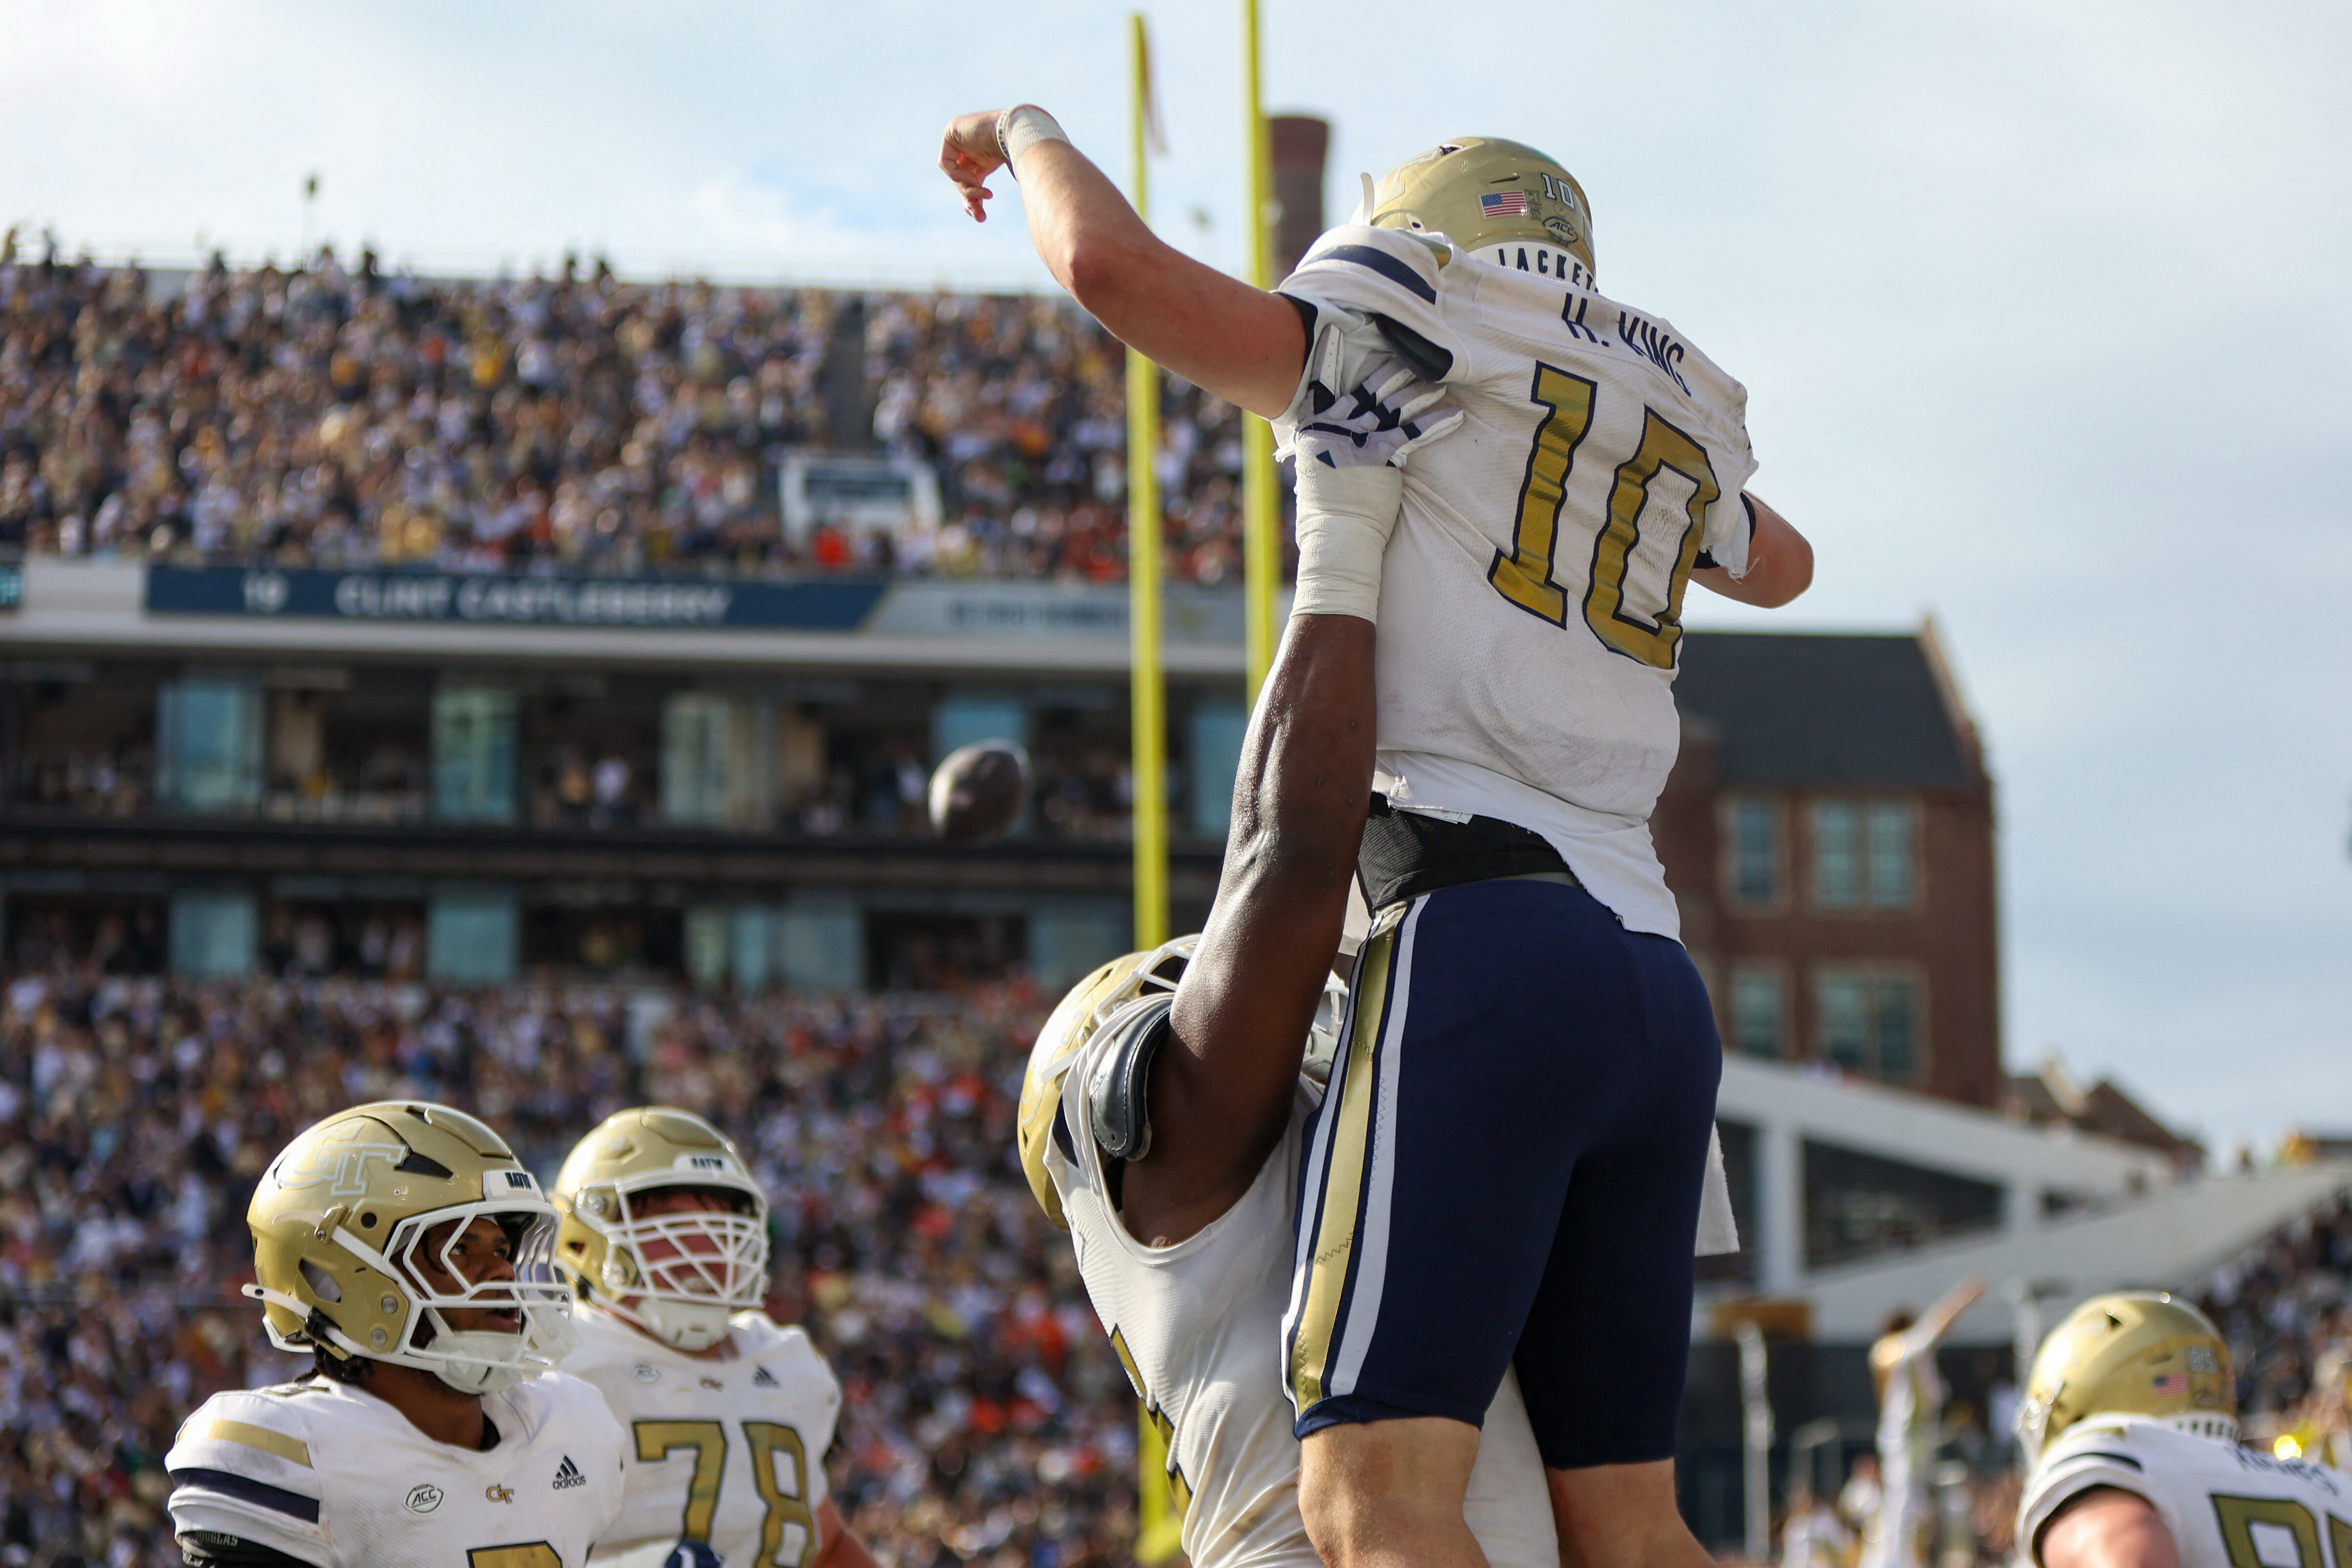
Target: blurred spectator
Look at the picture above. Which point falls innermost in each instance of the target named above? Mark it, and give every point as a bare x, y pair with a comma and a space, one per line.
986, 1421
342, 417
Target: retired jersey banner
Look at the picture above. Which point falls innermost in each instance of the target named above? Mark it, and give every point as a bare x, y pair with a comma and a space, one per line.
668, 604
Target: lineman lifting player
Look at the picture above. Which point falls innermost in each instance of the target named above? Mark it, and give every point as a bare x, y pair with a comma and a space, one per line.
1510, 1169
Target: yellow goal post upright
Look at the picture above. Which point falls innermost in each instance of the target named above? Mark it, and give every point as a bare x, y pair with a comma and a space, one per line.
1147, 684
1261, 550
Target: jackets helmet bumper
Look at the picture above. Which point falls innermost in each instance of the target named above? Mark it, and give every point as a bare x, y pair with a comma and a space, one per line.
1083, 1010
2133, 1353
1480, 192
678, 1276
357, 1216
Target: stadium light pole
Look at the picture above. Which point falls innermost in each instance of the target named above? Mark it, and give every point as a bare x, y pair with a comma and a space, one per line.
1147, 690
1261, 557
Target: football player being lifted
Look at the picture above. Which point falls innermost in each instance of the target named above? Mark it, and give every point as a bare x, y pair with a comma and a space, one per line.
407, 1249
2129, 1423
665, 1239
1508, 1171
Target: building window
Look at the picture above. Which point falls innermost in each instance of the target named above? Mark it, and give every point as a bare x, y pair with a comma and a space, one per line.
1861, 1206
1755, 852
1863, 855
1837, 853
473, 754
1757, 1012
1870, 1024
208, 732
1888, 836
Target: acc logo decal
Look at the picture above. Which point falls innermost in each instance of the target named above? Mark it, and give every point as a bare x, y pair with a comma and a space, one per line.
646, 1372
497, 1493
424, 1498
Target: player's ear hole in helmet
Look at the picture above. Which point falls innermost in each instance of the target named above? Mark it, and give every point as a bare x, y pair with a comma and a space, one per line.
1492, 198
2130, 1352
366, 1249
662, 1224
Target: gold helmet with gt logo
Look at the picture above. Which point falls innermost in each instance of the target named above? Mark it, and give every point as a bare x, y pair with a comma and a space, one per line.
2133, 1353
1492, 198
678, 1270
359, 1230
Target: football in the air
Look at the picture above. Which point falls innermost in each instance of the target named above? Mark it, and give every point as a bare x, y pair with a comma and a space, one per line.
978, 791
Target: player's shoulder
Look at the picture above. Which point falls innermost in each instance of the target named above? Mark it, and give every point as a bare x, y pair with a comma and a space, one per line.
757, 1336
253, 1464
605, 1342
1358, 255
280, 1419
553, 1400
2128, 1453
783, 1352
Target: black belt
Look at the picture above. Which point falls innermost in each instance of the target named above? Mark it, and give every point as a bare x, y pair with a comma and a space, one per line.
1407, 853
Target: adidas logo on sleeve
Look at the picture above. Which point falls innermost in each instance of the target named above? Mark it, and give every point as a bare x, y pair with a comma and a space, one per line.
567, 1475
762, 1378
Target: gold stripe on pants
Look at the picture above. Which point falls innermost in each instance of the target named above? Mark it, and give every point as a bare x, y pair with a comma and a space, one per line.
1344, 1168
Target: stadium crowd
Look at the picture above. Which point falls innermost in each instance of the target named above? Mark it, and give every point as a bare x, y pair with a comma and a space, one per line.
344, 416
985, 1422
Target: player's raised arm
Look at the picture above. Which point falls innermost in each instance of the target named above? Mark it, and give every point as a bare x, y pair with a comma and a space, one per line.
1242, 343
1221, 1087
1779, 563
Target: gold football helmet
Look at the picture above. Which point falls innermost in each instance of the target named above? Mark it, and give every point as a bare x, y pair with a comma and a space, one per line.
353, 1218
2135, 1352
680, 1275
1096, 1002
1481, 193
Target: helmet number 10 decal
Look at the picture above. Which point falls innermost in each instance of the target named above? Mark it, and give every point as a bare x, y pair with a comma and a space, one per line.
1524, 574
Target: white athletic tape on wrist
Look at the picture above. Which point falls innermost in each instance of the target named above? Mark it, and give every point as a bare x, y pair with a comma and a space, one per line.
1022, 127
1345, 517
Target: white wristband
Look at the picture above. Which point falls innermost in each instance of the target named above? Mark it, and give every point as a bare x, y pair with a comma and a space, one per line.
1022, 127
1345, 517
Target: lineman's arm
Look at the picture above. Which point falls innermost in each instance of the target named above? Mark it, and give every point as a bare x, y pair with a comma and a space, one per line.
2105, 1528
1779, 564
1242, 343
1222, 1083
1938, 1320
836, 1547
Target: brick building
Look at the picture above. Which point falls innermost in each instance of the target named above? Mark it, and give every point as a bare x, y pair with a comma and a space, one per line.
1828, 832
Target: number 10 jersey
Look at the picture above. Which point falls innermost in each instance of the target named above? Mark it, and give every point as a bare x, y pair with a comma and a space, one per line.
1530, 613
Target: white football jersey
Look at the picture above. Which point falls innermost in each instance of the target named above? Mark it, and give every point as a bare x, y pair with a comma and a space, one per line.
726, 1451
1199, 1327
2227, 1506
327, 1473
1532, 597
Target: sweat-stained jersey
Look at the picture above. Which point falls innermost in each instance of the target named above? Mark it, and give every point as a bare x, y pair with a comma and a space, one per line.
329, 1474
1199, 1327
2226, 1506
1531, 596
730, 1452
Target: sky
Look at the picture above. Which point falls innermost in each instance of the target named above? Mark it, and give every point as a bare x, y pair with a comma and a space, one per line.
2041, 309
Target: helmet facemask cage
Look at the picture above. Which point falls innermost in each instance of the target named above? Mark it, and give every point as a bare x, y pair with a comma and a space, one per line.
472, 1361
678, 1276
